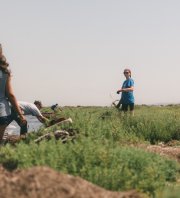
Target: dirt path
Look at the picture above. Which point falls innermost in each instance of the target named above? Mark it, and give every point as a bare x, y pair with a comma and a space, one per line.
44, 182
169, 151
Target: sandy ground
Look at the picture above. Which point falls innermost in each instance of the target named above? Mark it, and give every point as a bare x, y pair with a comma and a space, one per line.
172, 152
44, 182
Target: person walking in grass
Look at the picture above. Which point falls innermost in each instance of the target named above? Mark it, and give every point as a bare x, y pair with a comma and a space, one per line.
6, 96
127, 97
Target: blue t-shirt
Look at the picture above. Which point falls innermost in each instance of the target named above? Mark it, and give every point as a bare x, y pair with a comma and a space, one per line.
127, 97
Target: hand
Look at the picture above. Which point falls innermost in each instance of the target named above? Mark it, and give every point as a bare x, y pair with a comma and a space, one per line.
118, 91
23, 120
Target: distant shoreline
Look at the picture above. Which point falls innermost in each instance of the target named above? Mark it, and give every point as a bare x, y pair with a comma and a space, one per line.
98, 106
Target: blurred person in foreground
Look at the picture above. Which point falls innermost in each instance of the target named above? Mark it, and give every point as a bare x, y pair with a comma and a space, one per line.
6, 96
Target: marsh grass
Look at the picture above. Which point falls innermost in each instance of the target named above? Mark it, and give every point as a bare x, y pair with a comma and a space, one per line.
103, 151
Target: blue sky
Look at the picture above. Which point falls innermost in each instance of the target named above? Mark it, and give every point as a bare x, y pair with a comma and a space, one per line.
73, 52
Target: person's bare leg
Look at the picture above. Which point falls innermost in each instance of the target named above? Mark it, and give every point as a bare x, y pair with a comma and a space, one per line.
132, 113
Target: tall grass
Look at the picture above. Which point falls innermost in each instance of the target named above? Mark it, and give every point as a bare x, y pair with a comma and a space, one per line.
155, 124
103, 152
108, 165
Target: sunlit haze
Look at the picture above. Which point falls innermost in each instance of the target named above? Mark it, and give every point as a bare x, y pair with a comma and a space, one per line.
73, 52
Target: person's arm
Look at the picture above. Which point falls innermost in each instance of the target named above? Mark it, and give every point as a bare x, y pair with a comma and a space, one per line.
13, 100
43, 119
126, 89
35, 111
129, 87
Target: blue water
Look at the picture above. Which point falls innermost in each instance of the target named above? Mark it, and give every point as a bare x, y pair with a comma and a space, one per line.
33, 125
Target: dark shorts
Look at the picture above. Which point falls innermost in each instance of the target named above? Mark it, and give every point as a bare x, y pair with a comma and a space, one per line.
5, 120
125, 107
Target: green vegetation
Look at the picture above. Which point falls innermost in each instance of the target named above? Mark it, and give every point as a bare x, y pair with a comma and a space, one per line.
107, 149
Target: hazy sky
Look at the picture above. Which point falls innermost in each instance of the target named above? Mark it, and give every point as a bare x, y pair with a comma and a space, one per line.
73, 52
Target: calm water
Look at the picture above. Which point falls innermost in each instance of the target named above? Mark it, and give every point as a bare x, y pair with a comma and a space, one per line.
33, 125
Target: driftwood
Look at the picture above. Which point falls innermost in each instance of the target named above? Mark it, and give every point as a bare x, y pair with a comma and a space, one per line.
56, 120
59, 134
46, 136
61, 121
48, 114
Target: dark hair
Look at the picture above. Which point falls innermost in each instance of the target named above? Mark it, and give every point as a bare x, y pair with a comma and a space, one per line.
4, 65
38, 102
